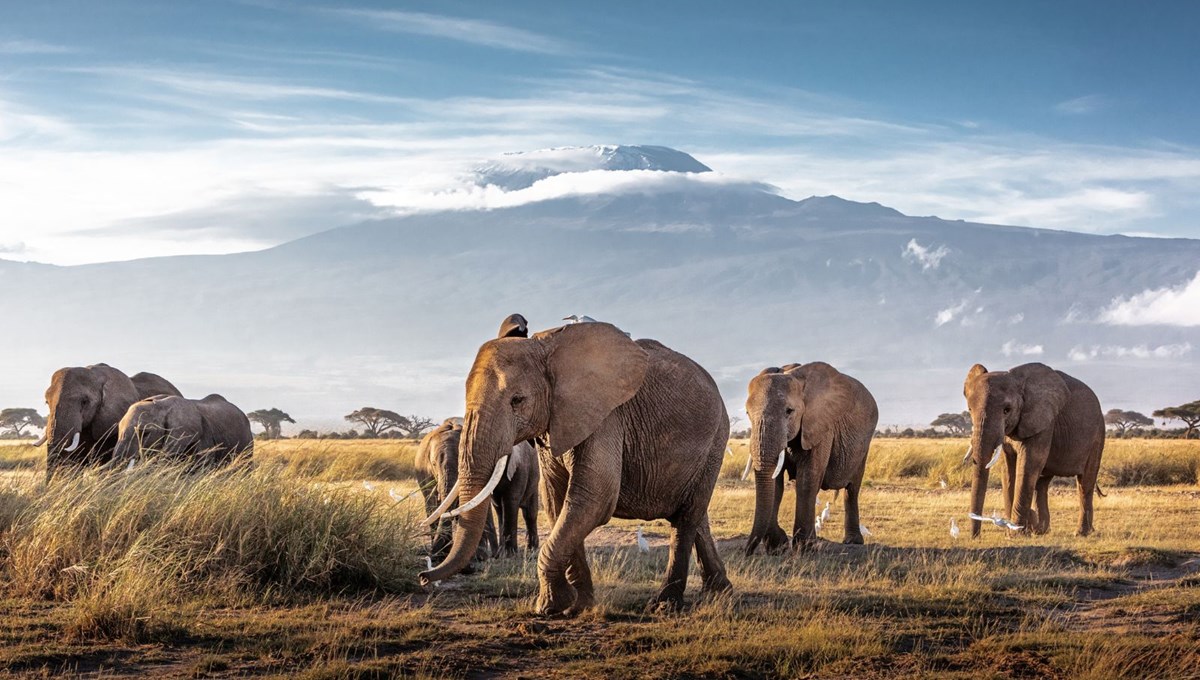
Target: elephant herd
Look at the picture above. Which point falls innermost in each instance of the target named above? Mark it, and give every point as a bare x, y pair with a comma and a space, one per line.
590, 424
616, 427
101, 417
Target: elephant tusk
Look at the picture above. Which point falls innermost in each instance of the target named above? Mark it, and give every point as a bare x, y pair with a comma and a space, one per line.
746, 472
995, 456
74, 444
967, 457
451, 496
39, 442
483, 494
778, 464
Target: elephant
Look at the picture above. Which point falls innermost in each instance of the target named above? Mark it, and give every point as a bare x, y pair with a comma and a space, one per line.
1046, 424
816, 423
517, 491
626, 429
86, 406
515, 326
437, 475
208, 432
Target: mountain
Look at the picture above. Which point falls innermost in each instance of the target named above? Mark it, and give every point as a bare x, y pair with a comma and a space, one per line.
390, 312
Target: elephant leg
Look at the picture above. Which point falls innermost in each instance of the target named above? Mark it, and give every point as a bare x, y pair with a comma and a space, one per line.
1041, 522
530, 512
488, 547
811, 469
852, 532
683, 539
1028, 471
1008, 480
508, 527
579, 575
712, 569
590, 499
777, 538
1087, 487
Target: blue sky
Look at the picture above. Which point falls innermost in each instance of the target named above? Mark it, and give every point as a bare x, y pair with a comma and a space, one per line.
131, 128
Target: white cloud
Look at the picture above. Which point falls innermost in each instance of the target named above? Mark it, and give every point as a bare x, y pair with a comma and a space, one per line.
1080, 106
1085, 353
473, 31
927, 257
1016, 318
31, 47
947, 315
1178, 306
1014, 348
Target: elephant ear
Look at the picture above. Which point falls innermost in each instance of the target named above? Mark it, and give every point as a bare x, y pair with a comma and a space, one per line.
1043, 396
827, 396
593, 368
515, 326
117, 394
976, 371
787, 367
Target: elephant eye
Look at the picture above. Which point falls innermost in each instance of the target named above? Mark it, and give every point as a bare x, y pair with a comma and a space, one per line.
516, 401
1007, 409
789, 410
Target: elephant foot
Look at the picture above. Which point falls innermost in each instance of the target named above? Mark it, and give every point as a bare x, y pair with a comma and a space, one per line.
556, 601
803, 544
583, 602
508, 551
853, 539
714, 585
776, 541
1084, 531
669, 599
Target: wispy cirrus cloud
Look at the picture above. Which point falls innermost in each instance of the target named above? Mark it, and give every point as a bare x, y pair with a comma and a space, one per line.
472, 31
17, 47
1082, 106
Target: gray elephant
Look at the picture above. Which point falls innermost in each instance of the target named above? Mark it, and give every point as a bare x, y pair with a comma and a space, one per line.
151, 385
86, 406
1046, 424
517, 491
437, 475
208, 432
631, 430
816, 423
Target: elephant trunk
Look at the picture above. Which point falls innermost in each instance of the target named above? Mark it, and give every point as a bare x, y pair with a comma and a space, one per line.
984, 440
481, 452
765, 449
63, 438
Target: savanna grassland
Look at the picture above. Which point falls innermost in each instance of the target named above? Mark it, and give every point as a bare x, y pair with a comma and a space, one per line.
305, 565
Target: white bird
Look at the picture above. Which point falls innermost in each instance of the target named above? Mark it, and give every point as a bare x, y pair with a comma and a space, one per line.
817, 525
825, 513
953, 528
368, 486
129, 468
862, 529
942, 483
643, 544
428, 562
575, 318
395, 496
998, 521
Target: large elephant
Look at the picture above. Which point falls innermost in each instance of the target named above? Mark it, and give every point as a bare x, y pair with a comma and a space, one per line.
208, 432
816, 423
630, 430
86, 405
437, 475
1047, 424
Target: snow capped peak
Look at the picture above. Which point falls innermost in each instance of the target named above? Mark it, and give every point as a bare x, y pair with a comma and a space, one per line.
519, 170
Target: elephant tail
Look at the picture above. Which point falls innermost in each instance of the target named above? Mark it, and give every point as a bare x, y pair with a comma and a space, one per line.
1100, 492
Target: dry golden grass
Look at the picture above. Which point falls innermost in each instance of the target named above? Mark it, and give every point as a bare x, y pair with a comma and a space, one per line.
242, 574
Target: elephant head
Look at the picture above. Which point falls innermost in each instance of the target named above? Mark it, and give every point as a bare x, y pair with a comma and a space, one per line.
163, 424
86, 405
785, 404
515, 326
1021, 403
441, 451
559, 384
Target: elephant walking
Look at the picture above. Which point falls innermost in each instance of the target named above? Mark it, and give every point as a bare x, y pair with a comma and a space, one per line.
208, 432
437, 475
631, 430
816, 423
1046, 424
517, 492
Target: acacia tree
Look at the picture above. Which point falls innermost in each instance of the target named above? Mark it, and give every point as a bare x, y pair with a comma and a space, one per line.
15, 420
272, 421
957, 423
1189, 413
378, 421
416, 426
1123, 420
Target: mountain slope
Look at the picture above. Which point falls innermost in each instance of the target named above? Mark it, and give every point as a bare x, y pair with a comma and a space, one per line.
390, 312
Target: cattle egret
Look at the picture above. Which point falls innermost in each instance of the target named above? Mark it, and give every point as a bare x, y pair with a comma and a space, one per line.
862, 529
817, 525
575, 318
998, 521
825, 513
942, 483
368, 486
643, 544
953, 528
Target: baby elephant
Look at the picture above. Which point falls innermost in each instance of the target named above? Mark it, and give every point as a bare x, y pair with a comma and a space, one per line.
518, 490
209, 432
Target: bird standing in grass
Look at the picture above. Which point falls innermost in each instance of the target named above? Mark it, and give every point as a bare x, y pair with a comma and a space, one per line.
953, 529
825, 513
643, 544
368, 486
862, 528
998, 521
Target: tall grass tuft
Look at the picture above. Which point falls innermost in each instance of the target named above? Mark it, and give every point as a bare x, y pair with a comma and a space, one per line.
119, 546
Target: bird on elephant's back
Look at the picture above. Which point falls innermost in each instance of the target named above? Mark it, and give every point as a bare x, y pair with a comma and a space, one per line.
815, 424
631, 430
1043, 424
86, 404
